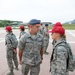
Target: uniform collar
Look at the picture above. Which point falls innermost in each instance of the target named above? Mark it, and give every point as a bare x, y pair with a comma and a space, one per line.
10, 33
62, 40
29, 35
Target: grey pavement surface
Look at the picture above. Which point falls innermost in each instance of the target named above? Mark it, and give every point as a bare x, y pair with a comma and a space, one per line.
45, 66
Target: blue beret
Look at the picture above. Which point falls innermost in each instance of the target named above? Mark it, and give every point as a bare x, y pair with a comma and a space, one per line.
34, 21
46, 24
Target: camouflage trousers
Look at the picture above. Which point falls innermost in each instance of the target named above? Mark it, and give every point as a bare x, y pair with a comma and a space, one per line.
11, 56
45, 48
34, 70
46, 42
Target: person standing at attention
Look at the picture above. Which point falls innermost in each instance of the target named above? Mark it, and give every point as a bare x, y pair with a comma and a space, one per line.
46, 39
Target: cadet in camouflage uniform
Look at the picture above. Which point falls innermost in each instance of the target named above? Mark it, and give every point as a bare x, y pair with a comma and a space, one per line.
46, 39
58, 62
70, 62
22, 32
11, 52
31, 49
41, 30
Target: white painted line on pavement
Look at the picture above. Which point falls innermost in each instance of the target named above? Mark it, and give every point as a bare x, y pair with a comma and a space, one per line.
2, 31
2, 40
70, 33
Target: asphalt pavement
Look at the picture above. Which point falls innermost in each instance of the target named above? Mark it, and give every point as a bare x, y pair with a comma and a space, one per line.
45, 66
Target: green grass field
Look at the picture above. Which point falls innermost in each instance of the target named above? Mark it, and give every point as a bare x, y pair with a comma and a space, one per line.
67, 26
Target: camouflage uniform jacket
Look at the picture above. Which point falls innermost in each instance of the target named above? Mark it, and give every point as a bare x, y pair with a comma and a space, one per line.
31, 48
46, 34
41, 30
58, 62
21, 33
8, 41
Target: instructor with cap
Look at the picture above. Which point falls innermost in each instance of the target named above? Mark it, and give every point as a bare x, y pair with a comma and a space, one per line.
31, 49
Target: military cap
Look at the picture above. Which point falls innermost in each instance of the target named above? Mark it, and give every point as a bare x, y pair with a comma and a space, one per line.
21, 27
34, 21
57, 24
46, 24
8, 28
58, 29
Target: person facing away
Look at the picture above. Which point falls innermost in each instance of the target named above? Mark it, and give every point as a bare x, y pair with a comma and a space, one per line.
58, 61
31, 49
46, 39
41, 29
11, 49
22, 31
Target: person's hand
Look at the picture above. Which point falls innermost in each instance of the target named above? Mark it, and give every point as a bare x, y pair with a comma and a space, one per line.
20, 62
41, 62
15, 50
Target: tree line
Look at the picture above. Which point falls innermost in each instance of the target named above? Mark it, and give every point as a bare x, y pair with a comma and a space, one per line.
4, 23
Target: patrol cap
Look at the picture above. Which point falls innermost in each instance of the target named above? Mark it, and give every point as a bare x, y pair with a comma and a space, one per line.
21, 27
8, 28
58, 24
46, 24
34, 21
58, 29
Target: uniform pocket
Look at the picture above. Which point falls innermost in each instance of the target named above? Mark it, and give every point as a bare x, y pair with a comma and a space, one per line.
39, 45
29, 45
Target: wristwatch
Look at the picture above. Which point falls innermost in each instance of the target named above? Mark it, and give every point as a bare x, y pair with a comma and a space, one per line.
42, 58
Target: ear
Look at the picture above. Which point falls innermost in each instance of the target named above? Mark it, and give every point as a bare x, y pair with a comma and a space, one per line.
28, 25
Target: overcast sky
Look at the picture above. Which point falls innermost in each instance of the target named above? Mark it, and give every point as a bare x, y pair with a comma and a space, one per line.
45, 10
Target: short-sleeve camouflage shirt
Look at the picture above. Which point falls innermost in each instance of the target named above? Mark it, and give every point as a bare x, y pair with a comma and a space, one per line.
31, 48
